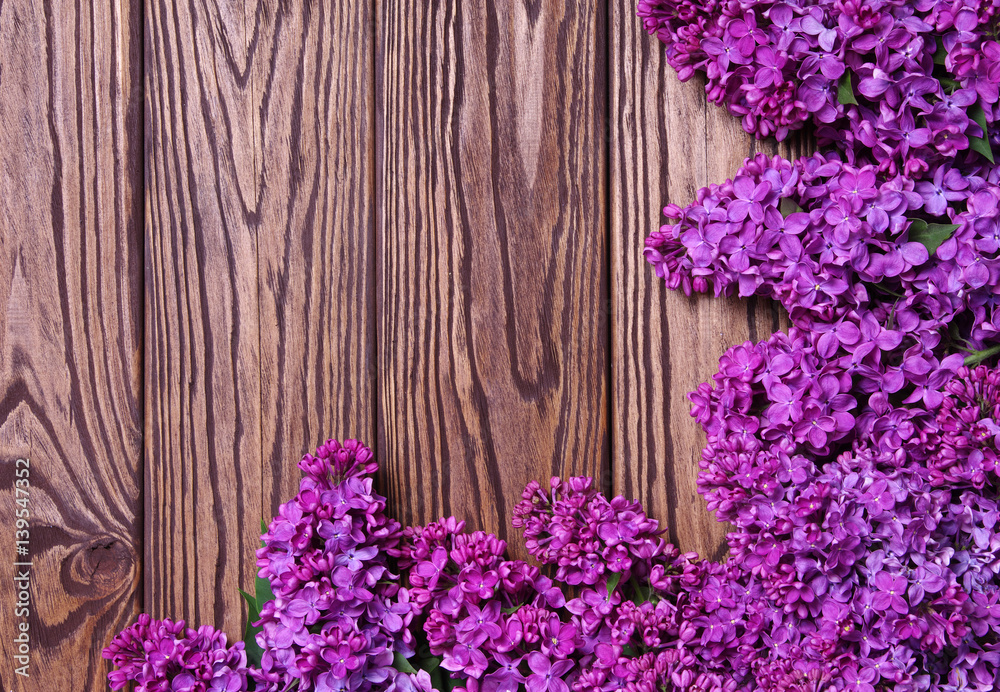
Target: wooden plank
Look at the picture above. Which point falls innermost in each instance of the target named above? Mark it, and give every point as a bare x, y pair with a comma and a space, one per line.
492, 280
666, 142
261, 293
202, 386
70, 332
314, 74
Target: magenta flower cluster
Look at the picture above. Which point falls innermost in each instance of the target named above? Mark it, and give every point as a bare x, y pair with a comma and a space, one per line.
834, 242
887, 82
338, 612
876, 570
625, 610
855, 455
163, 656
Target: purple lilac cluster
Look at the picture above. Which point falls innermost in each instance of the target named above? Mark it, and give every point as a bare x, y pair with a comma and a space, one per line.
834, 243
163, 656
637, 618
866, 560
650, 617
855, 455
338, 613
888, 82
869, 523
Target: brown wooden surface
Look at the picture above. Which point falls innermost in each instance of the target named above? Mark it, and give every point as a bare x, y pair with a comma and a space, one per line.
314, 83
202, 385
260, 271
667, 143
417, 223
492, 253
71, 329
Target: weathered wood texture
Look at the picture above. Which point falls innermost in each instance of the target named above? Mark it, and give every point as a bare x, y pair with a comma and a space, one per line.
314, 81
70, 330
666, 143
259, 276
492, 252
202, 386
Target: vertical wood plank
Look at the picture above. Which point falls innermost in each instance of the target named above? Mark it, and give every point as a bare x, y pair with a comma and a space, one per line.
666, 143
492, 280
202, 375
70, 331
261, 298
314, 86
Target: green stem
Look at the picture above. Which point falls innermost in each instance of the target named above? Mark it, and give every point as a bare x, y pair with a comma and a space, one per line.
977, 357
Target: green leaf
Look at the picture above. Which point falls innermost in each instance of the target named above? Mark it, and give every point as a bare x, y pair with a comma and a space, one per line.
949, 85
979, 115
251, 601
940, 54
613, 582
845, 91
430, 664
788, 207
255, 604
512, 609
981, 144
253, 650
400, 663
930, 234
264, 593
641, 595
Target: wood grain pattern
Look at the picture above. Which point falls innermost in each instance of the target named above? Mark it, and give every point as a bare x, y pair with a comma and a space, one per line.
71, 330
260, 276
492, 252
202, 348
666, 144
313, 77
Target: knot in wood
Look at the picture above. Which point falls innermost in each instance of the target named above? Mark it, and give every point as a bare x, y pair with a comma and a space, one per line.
104, 565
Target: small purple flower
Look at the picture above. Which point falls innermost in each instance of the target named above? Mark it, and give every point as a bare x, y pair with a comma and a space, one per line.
891, 593
546, 675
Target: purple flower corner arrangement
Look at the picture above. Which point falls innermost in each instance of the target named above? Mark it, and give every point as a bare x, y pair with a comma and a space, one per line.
855, 456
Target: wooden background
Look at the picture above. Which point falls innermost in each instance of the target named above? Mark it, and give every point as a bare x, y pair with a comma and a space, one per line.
230, 230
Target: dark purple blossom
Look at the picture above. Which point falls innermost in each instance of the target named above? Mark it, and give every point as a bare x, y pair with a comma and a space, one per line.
162, 655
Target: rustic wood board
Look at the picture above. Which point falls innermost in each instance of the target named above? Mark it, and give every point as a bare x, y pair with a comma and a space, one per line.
314, 129
492, 285
203, 418
666, 143
70, 331
260, 277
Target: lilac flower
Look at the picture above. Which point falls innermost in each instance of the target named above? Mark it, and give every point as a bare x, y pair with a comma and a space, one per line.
749, 54
506, 678
546, 675
339, 613
163, 655
891, 592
